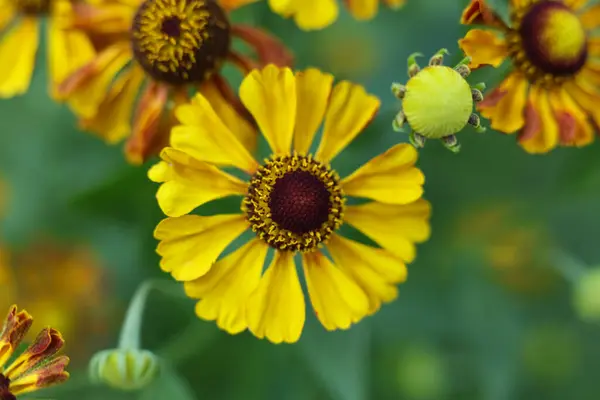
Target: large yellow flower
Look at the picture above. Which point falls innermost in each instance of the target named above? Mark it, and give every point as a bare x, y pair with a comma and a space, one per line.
551, 95
19, 39
166, 49
318, 14
38, 366
293, 202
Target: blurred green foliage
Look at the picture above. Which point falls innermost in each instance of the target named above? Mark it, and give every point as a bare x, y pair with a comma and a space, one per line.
472, 322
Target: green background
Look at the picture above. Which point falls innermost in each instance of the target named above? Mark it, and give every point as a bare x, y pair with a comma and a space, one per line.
484, 314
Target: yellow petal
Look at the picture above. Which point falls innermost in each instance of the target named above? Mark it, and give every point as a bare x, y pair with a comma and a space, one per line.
189, 245
222, 106
87, 87
363, 9
308, 14
575, 4
17, 52
161, 172
586, 96
313, 88
204, 136
505, 105
225, 289
276, 309
574, 127
394, 227
8, 13
484, 47
68, 49
590, 18
195, 183
390, 177
540, 133
112, 121
351, 108
270, 96
338, 301
377, 271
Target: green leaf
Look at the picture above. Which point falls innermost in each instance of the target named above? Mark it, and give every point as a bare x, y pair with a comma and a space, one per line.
339, 359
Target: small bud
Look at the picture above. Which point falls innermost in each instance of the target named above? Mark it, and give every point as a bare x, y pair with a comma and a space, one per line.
398, 90
463, 70
586, 297
398, 122
124, 369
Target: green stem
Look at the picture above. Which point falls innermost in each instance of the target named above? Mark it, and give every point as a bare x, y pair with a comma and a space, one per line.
571, 268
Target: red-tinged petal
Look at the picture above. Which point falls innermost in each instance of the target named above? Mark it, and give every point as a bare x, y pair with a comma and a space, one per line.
573, 124
479, 13
269, 49
15, 328
48, 342
541, 131
505, 105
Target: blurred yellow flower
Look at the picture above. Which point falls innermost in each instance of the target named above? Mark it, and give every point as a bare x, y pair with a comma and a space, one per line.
175, 46
318, 14
38, 366
551, 94
293, 202
20, 21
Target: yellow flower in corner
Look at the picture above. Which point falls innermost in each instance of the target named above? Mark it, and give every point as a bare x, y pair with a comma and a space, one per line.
164, 49
38, 366
20, 22
318, 14
294, 202
551, 94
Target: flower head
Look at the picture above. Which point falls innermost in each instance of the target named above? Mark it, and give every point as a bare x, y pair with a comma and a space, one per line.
294, 202
550, 95
318, 14
20, 24
437, 101
38, 366
166, 49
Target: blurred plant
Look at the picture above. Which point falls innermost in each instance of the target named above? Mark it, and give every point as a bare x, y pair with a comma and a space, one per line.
437, 102
586, 296
318, 14
35, 368
64, 285
549, 96
176, 46
294, 203
422, 374
20, 22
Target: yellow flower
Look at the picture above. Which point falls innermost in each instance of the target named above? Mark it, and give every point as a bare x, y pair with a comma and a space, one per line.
437, 101
293, 202
19, 39
318, 14
551, 95
175, 46
38, 366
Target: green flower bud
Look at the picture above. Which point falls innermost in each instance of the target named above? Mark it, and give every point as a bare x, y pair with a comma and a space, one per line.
586, 297
124, 369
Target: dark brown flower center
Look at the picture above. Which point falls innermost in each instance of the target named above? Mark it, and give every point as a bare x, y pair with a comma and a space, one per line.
33, 6
5, 393
180, 41
294, 203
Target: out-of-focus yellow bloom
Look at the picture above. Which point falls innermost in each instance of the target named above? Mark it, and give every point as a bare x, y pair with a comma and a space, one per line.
20, 21
165, 49
294, 203
38, 366
551, 95
318, 14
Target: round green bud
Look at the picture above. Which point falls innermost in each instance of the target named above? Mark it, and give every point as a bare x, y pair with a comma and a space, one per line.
586, 296
124, 369
438, 102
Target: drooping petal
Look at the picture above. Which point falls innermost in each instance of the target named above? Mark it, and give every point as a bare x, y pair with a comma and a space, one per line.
268, 48
586, 96
17, 52
48, 342
350, 109
86, 88
540, 133
390, 177
484, 47
338, 300
362, 9
231, 5
313, 88
194, 183
112, 122
224, 102
478, 12
394, 227
308, 14
270, 95
14, 328
377, 271
505, 105
590, 18
204, 136
190, 245
225, 289
104, 18
276, 310
46, 375
573, 125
